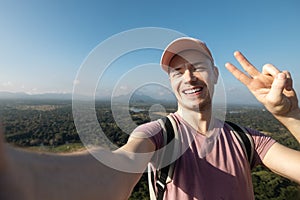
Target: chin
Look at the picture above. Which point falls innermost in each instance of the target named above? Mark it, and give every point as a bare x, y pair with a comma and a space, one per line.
196, 106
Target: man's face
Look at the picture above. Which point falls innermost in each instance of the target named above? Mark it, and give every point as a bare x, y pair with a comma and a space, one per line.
193, 77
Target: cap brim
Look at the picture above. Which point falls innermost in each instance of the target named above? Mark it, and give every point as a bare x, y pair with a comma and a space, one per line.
182, 44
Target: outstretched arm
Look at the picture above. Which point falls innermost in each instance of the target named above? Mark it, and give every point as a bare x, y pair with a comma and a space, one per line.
29, 176
274, 89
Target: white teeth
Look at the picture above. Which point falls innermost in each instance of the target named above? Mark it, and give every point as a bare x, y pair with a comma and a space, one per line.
193, 91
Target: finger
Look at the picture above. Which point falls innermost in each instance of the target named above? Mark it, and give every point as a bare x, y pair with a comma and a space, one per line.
238, 74
252, 71
269, 69
277, 87
289, 81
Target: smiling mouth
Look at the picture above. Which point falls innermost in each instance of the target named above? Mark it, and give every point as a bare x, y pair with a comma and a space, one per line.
193, 91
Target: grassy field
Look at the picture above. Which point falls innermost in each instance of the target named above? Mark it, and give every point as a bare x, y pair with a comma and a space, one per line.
65, 148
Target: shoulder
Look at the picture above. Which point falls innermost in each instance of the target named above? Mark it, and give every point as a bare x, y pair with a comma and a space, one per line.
151, 130
262, 143
259, 138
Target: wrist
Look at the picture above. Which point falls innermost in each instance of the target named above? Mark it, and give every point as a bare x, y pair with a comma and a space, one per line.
291, 121
292, 115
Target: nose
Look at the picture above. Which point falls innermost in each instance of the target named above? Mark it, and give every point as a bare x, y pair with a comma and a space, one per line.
189, 74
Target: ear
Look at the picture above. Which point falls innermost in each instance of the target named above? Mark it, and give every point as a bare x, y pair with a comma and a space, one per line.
216, 74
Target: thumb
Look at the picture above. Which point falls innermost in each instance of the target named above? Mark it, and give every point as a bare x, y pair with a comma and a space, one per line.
278, 87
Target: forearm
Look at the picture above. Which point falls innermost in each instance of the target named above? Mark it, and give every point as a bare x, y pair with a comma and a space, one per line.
292, 123
15, 182
80, 176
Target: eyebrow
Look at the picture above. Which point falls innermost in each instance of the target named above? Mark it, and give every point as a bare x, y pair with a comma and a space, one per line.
183, 64
198, 63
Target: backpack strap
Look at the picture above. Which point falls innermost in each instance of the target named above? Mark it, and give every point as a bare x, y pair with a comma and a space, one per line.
165, 174
161, 181
245, 140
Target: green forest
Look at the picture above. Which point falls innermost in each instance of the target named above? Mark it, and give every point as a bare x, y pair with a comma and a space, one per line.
47, 125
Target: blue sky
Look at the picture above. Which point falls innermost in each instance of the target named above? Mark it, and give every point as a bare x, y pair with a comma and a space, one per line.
44, 43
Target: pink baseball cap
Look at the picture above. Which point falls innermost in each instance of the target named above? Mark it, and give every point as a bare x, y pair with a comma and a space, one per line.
180, 44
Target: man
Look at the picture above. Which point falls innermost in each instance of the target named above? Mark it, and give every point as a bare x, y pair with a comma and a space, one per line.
222, 172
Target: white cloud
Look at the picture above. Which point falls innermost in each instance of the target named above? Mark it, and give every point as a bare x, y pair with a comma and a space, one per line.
32, 91
123, 87
7, 84
76, 82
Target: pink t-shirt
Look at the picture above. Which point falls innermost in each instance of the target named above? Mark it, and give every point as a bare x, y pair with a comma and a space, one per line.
210, 169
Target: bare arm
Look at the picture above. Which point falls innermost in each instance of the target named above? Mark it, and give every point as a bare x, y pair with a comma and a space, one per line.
27, 175
274, 89
283, 161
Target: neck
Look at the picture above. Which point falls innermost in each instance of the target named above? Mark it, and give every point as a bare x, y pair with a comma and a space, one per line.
200, 120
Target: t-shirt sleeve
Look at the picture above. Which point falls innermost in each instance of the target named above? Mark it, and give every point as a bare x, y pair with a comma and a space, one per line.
262, 144
152, 130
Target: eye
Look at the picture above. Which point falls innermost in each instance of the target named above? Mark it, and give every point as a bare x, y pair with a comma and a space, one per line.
176, 71
199, 68
179, 68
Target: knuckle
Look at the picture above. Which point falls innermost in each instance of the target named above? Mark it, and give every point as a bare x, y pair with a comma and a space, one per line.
287, 73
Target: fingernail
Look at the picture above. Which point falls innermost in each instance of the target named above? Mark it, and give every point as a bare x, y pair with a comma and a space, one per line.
281, 76
236, 53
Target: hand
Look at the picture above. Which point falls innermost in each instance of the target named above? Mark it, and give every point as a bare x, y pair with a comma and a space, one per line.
270, 87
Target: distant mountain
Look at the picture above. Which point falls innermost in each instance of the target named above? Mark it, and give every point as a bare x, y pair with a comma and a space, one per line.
25, 96
135, 98
11, 95
143, 98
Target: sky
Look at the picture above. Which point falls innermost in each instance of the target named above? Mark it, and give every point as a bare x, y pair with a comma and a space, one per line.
44, 44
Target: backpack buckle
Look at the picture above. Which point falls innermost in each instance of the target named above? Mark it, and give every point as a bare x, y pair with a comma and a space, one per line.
160, 185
